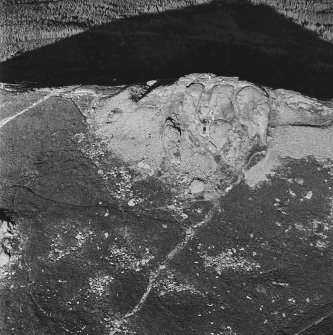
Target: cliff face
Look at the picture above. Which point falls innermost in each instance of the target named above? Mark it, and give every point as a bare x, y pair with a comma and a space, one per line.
194, 207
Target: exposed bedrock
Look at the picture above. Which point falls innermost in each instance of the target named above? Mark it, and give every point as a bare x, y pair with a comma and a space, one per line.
198, 207
203, 127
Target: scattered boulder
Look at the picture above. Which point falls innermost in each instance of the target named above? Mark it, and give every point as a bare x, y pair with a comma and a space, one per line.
197, 186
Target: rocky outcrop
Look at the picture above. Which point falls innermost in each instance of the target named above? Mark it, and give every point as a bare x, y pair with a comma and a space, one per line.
7, 236
201, 205
202, 128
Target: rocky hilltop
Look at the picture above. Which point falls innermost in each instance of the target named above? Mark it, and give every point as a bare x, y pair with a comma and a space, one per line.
197, 206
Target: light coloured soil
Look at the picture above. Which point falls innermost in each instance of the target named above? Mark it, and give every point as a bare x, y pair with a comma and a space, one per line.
295, 142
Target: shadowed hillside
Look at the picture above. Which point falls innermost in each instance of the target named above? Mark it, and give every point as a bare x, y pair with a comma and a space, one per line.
252, 42
315, 15
30, 24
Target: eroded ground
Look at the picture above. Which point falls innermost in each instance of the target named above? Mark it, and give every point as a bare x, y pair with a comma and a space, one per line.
94, 244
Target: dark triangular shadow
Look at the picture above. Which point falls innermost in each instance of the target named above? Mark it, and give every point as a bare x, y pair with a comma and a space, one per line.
254, 43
